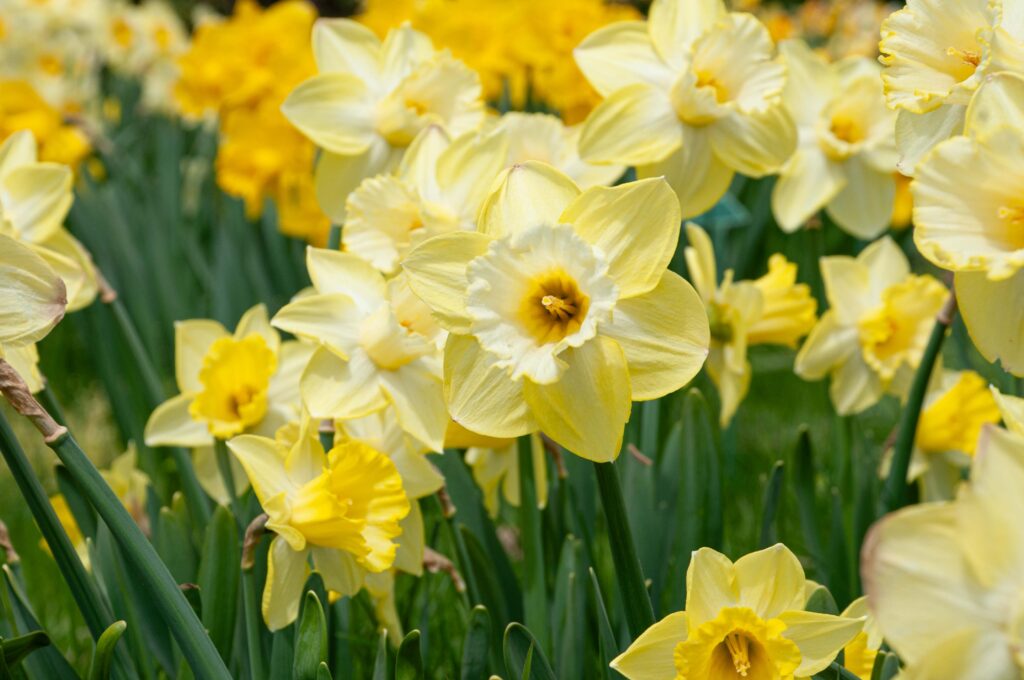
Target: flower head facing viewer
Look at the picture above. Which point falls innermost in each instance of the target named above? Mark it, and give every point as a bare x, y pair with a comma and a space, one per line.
945, 580
873, 335
773, 309
345, 504
693, 94
560, 309
742, 620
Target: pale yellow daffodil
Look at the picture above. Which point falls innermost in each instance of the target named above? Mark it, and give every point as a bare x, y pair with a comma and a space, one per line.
560, 309
496, 472
370, 100
944, 580
871, 339
377, 346
773, 309
34, 200
846, 157
693, 94
341, 509
438, 188
33, 298
743, 619
969, 214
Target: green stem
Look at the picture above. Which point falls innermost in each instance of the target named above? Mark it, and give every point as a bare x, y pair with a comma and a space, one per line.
334, 237
894, 494
628, 572
536, 608
227, 475
252, 625
841, 672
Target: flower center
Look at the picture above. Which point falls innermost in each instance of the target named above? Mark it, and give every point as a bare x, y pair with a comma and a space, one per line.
847, 129
322, 515
705, 79
553, 307
895, 332
969, 57
738, 646
720, 318
235, 376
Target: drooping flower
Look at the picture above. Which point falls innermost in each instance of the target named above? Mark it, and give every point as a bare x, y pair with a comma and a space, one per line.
560, 309
338, 508
944, 579
741, 620
496, 472
846, 156
693, 95
376, 345
370, 99
773, 309
872, 337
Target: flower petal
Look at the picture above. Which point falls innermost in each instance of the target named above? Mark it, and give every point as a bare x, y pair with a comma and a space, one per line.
828, 346
864, 206
346, 46
418, 397
770, 581
652, 655
336, 176
675, 24
341, 572
335, 111
855, 386
74, 265
32, 296
481, 397
819, 637
756, 143
437, 274
527, 195
710, 585
918, 133
994, 314
287, 570
37, 198
192, 340
695, 173
171, 424
807, 182
264, 463
329, 319
622, 54
255, 321
634, 126
205, 463
335, 388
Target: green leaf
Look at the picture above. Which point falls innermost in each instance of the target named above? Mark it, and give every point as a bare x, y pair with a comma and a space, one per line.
310, 639
48, 663
409, 662
173, 541
99, 669
839, 552
887, 666
770, 509
218, 579
323, 672
523, 657
475, 647
282, 653
609, 646
803, 465
16, 649
822, 602
84, 516
535, 597
380, 663
483, 576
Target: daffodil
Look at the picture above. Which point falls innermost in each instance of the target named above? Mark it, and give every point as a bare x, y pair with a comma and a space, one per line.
693, 94
871, 339
32, 297
496, 471
957, 405
377, 345
944, 580
968, 216
860, 653
438, 188
370, 99
560, 309
22, 108
743, 619
773, 309
229, 383
336, 509
34, 200
846, 156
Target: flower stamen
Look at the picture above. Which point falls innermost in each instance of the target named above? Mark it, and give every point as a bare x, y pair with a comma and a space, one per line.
969, 57
739, 648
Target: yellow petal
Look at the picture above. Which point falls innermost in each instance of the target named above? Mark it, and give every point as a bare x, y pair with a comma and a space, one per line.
700, 261
37, 198
919, 133
1011, 409
855, 386
411, 543
341, 572
336, 272
810, 82
675, 24
525, 196
192, 340
403, 49
171, 424
72, 262
346, 46
263, 460
886, 265
863, 207
437, 274
754, 144
335, 111
819, 637
710, 586
335, 388
286, 576
994, 314
652, 655
32, 296
255, 321
636, 226
999, 103
204, 461
418, 397
636, 125
664, 335
807, 182
336, 175
828, 346
587, 408
622, 54
329, 319
481, 397
695, 173
17, 150
770, 581
467, 169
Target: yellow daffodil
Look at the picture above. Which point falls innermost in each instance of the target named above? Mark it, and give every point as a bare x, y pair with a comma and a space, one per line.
34, 200
377, 345
22, 108
370, 99
438, 188
693, 94
741, 620
560, 309
859, 653
496, 472
944, 579
773, 309
846, 157
871, 339
968, 216
341, 509
543, 137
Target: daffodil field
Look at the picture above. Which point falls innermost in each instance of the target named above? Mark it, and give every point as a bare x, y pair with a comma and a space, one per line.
416, 339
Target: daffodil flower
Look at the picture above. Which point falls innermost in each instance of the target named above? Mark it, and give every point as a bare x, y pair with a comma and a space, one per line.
377, 346
693, 94
969, 217
741, 620
871, 339
944, 579
560, 309
370, 100
845, 160
773, 309
860, 653
496, 471
439, 187
34, 200
341, 509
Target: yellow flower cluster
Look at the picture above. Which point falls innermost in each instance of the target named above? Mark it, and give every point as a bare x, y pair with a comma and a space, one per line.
239, 70
22, 108
534, 67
